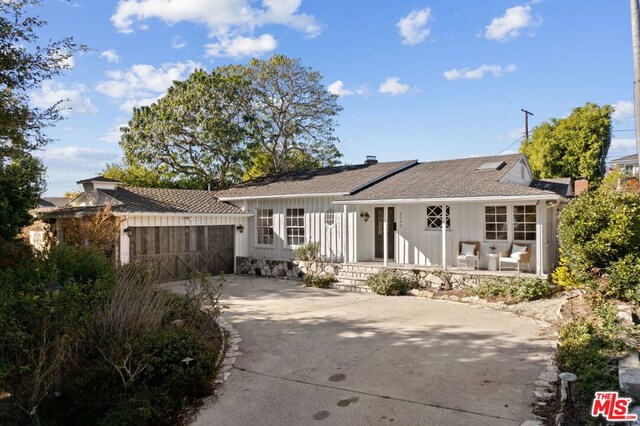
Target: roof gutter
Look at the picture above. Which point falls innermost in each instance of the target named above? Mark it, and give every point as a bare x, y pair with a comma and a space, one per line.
265, 197
181, 214
454, 199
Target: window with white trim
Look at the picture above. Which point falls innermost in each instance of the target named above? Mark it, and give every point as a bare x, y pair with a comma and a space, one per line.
434, 217
264, 227
524, 223
495, 223
294, 223
330, 217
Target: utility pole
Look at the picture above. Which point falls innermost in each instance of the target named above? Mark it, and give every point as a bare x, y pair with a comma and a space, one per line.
635, 37
526, 122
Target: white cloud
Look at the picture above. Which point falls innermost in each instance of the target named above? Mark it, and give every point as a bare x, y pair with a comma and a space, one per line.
413, 27
238, 47
622, 144
478, 73
623, 111
143, 84
178, 42
392, 86
71, 155
111, 56
511, 24
513, 134
113, 135
337, 88
220, 16
72, 99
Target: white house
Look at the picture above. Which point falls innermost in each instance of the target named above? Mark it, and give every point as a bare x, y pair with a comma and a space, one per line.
406, 212
628, 164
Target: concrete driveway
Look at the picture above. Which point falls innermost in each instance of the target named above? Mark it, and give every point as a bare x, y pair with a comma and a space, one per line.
315, 356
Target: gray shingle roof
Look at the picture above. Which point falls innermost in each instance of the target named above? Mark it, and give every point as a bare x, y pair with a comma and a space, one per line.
156, 200
330, 180
449, 179
561, 186
53, 202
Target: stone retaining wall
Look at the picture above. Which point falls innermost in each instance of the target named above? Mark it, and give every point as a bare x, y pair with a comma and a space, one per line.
287, 269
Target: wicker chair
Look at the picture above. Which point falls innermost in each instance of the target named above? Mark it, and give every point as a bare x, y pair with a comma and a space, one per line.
517, 259
469, 257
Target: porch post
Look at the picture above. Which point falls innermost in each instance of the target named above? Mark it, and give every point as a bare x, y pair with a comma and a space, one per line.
124, 243
385, 236
444, 237
539, 239
344, 233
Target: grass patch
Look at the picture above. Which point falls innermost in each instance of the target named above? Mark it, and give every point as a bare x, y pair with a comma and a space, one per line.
516, 289
319, 281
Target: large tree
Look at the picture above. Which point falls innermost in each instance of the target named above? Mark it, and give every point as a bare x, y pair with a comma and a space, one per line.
197, 131
270, 116
573, 146
294, 117
25, 63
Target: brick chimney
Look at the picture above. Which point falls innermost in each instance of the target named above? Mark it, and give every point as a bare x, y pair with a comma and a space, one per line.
371, 160
581, 185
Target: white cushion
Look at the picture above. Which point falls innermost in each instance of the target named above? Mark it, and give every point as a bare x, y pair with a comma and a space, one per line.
517, 250
468, 249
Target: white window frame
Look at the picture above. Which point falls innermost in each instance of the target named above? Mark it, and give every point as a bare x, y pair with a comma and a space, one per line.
532, 225
258, 226
432, 217
301, 229
495, 214
330, 215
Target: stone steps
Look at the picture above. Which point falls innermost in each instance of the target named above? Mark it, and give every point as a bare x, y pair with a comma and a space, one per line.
345, 286
352, 280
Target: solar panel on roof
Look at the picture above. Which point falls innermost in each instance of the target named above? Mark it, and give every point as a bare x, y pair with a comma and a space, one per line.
495, 165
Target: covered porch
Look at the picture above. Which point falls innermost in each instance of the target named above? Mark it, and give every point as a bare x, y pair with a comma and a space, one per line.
428, 235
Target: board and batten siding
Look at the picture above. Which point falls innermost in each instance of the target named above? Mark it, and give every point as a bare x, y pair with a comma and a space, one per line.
416, 245
163, 220
330, 237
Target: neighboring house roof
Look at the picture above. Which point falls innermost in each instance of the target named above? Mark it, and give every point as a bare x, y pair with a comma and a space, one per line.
330, 180
561, 186
53, 202
98, 179
447, 179
633, 158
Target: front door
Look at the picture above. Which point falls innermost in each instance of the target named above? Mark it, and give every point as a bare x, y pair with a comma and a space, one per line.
379, 216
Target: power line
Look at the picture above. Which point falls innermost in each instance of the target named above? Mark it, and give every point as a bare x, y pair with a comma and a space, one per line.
511, 144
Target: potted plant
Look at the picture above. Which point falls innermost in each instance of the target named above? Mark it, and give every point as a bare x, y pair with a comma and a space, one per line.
493, 249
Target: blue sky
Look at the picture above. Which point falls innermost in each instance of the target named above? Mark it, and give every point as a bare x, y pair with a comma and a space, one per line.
420, 80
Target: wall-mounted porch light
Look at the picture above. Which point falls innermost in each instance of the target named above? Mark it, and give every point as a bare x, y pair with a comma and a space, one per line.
240, 228
365, 216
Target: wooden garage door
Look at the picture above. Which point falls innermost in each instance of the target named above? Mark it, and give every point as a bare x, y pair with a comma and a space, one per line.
174, 252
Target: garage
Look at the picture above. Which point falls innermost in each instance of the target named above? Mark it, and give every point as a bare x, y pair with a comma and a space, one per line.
175, 252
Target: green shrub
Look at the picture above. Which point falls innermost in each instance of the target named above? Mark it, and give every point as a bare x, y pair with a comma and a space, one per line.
588, 347
598, 229
517, 289
307, 252
390, 282
82, 265
319, 281
623, 279
562, 276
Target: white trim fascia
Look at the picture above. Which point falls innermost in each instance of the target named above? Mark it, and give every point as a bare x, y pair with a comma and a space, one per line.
266, 197
454, 199
181, 214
